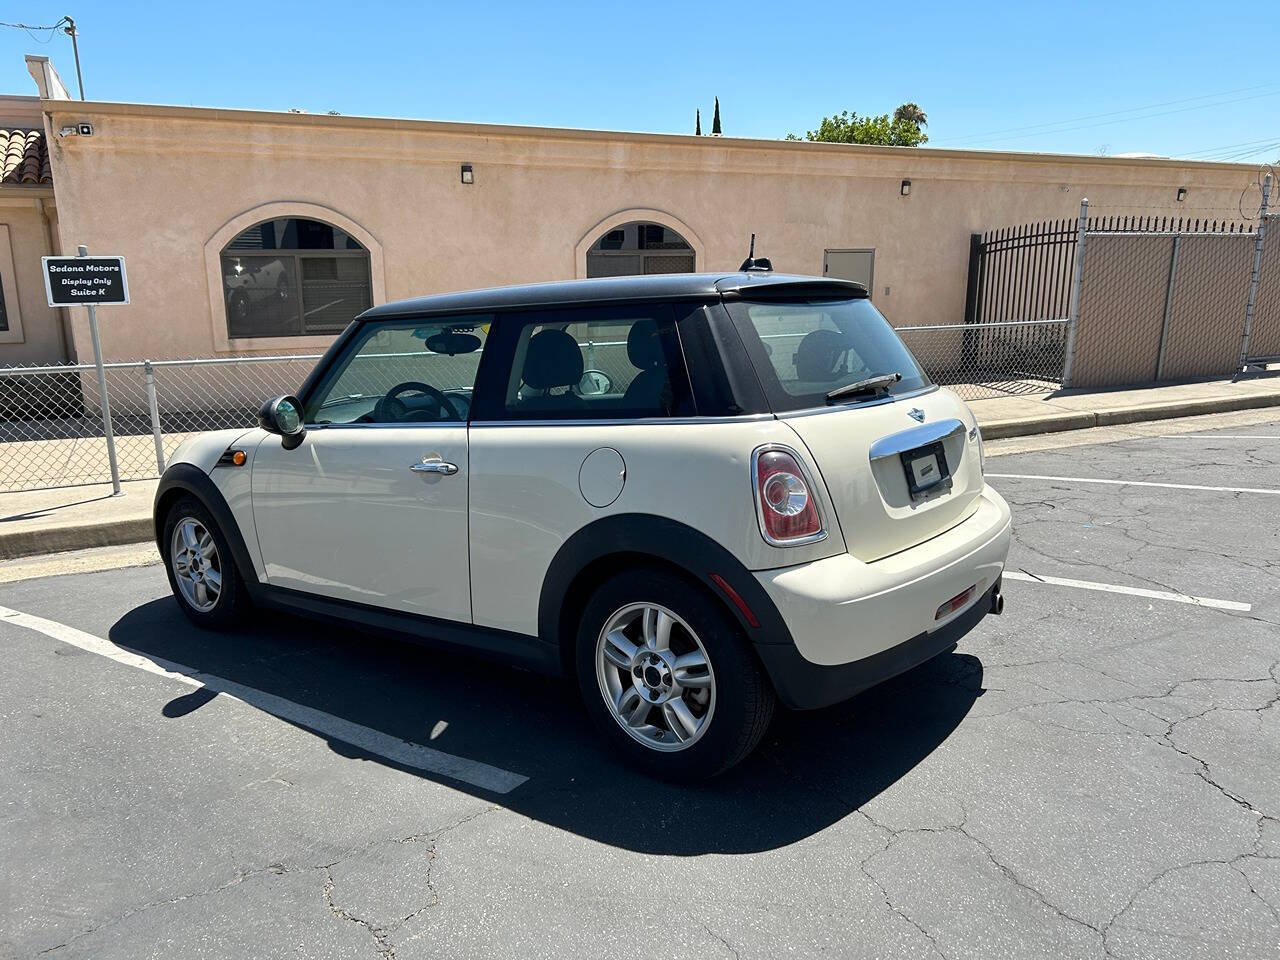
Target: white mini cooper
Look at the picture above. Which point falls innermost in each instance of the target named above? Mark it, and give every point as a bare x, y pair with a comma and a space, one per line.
694, 494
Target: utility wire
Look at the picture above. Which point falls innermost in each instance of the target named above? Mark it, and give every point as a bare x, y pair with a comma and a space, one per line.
1223, 148
1246, 154
28, 28
1048, 126
1145, 116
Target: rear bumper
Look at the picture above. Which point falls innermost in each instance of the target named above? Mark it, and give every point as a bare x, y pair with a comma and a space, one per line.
803, 685
853, 623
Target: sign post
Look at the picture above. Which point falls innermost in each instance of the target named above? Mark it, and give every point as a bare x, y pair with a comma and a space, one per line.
87, 281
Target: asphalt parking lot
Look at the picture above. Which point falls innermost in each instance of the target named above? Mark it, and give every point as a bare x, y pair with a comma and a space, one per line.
1095, 773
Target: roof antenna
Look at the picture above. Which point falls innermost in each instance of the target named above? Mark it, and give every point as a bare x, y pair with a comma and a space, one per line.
754, 264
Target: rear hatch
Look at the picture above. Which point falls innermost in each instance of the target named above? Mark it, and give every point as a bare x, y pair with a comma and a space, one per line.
896, 457
871, 457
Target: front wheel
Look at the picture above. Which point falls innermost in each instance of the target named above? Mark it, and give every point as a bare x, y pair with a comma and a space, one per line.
668, 678
201, 570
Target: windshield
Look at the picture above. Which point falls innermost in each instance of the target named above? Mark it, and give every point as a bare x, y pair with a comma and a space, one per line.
805, 350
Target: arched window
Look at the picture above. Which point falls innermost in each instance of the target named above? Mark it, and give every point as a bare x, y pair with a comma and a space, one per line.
293, 277
639, 248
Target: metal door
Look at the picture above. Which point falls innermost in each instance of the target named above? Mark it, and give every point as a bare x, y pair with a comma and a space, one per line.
855, 265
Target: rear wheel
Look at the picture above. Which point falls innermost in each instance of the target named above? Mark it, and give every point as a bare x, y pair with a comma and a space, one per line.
668, 678
201, 571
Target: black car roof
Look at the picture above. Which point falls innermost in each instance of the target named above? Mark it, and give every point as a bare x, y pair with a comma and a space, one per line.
667, 286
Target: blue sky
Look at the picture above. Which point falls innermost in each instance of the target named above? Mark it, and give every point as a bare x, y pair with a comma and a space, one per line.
1169, 78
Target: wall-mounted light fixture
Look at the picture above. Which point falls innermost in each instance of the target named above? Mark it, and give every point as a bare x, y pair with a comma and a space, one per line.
468, 175
906, 188
1182, 194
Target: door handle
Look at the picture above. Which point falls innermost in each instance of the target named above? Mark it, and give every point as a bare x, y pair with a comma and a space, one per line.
435, 466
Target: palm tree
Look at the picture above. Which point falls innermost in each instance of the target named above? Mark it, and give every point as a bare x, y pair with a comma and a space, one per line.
911, 113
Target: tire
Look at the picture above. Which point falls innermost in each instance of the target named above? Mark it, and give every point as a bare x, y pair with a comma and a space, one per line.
204, 606
730, 700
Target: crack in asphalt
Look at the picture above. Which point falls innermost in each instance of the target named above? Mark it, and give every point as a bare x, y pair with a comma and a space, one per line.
240, 877
385, 947
715, 936
962, 828
381, 933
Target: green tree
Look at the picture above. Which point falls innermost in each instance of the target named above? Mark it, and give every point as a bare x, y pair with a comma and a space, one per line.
697, 124
900, 130
715, 121
911, 113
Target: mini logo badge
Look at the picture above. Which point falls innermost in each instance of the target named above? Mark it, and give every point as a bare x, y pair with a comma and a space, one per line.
915, 413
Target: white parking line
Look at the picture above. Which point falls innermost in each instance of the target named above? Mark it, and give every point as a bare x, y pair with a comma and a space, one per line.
403, 752
1217, 436
1135, 483
1131, 591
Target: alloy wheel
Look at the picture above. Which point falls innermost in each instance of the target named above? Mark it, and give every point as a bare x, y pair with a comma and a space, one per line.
655, 677
196, 564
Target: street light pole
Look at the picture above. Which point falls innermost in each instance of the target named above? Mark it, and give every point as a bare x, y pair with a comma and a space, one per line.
70, 30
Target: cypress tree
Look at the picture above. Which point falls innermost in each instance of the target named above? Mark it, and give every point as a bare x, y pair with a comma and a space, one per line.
715, 121
697, 125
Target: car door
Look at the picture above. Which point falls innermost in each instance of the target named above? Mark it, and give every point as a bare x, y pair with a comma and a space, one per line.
371, 507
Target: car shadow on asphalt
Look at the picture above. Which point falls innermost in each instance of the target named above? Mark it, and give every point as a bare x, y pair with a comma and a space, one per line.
811, 770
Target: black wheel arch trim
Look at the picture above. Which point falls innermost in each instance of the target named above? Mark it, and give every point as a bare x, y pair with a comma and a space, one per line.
665, 541
186, 478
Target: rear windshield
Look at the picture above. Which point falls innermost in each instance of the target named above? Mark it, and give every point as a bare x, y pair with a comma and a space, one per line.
802, 350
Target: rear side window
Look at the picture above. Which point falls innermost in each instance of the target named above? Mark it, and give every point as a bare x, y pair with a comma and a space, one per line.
588, 363
802, 350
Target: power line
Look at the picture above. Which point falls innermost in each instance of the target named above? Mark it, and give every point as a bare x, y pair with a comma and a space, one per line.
28, 30
1245, 155
28, 26
1222, 147
1145, 116
1049, 126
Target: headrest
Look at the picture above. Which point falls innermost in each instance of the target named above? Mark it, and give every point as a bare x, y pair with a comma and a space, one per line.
820, 356
553, 360
644, 348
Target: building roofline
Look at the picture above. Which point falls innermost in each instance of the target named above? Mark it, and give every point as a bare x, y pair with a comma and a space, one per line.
91, 108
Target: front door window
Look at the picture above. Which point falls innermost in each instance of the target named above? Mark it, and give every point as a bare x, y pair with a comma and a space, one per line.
415, 371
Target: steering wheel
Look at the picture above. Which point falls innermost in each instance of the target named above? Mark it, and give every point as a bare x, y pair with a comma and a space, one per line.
391, 407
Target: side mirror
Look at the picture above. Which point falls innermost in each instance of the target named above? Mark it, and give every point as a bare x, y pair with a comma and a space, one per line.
283, 416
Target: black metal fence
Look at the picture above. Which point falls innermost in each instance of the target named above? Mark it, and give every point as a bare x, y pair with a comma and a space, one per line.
1024, 273
1019, 289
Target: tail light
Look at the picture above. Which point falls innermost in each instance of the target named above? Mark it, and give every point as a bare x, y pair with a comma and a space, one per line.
785, 503
975, 436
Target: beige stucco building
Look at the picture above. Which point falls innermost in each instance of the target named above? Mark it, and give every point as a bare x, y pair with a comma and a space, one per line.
256, 232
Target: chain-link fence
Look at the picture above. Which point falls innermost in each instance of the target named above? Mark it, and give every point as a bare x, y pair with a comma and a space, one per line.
1160, 306
983, 360
1264, 335
1169, 301
51, 431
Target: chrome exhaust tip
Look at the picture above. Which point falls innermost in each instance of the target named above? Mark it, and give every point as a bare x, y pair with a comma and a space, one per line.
997, 602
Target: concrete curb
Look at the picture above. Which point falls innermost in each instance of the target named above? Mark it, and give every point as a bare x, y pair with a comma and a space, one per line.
1081, 420
26, 543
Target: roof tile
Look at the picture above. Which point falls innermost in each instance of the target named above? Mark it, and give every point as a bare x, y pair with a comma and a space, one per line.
24, 158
